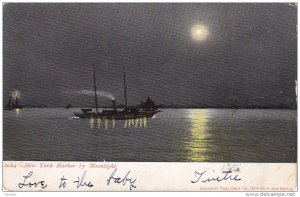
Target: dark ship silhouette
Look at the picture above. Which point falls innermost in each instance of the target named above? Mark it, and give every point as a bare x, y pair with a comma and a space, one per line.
145, 109
13, 103
68, 106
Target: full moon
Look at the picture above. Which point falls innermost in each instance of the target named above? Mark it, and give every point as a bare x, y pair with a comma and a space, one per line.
199, 32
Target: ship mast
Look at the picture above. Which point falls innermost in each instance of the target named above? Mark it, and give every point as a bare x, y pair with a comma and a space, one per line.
95, 90
125, 95
17, 101
9, 102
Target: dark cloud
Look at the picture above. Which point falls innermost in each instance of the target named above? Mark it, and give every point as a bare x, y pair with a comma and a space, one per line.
250, 54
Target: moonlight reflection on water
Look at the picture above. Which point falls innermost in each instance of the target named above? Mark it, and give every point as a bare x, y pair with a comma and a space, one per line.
180, 135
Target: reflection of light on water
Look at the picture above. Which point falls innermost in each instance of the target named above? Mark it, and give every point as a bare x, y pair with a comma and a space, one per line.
199, 134
18, 111
105, 124
98, 122
138, 122
141, 122
92, 122
113, 123
145, 122
125, 124
95, 123
128, 123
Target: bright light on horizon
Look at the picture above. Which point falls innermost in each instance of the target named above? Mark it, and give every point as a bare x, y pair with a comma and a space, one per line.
16, 94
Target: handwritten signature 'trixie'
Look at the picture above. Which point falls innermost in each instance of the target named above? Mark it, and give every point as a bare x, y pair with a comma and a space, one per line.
120, 180
226, 176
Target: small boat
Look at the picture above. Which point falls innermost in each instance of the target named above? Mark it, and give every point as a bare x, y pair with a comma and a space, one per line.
11, 105
145, 110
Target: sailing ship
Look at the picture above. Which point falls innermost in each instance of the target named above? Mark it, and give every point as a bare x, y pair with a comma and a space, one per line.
13, 104
145, 110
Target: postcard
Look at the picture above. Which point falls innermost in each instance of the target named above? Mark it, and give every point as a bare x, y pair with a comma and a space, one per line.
149, 97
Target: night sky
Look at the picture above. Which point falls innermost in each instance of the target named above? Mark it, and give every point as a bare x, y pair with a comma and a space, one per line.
249, 55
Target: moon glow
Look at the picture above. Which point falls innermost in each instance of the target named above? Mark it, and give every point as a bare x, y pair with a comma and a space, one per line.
199, 32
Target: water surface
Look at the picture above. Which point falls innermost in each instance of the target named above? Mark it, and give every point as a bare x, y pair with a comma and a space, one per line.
182, 135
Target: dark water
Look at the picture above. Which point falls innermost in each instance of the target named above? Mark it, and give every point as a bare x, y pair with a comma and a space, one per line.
211, 135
